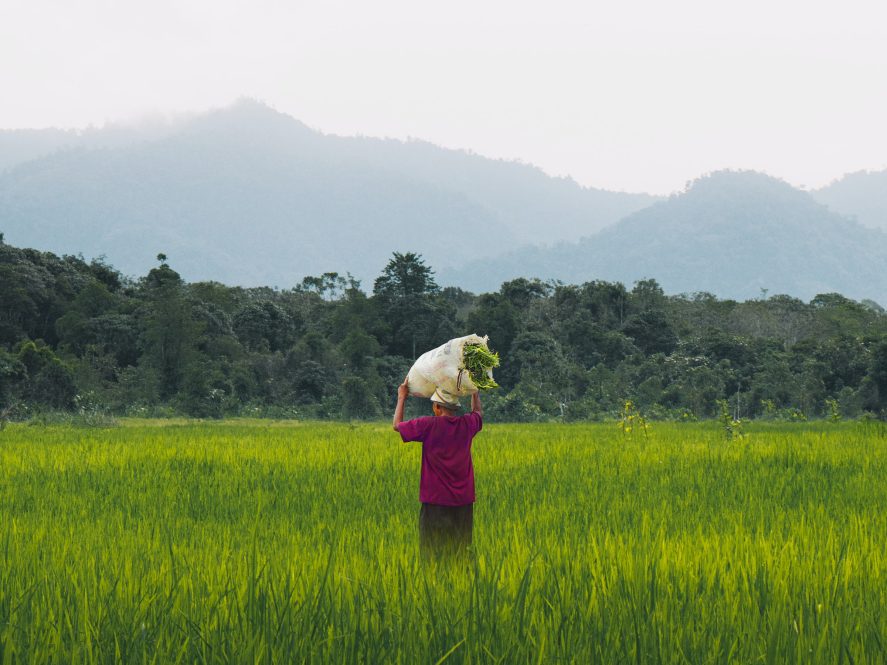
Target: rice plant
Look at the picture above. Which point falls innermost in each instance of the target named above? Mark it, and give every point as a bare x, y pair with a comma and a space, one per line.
250, 541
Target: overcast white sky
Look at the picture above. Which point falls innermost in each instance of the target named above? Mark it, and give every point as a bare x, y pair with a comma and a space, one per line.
630, 95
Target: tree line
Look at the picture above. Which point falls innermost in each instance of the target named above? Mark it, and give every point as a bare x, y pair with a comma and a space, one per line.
81, 337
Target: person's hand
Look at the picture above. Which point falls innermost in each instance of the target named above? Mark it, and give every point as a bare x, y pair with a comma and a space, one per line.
403, 390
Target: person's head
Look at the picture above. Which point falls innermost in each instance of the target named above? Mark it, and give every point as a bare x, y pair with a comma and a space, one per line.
444, 404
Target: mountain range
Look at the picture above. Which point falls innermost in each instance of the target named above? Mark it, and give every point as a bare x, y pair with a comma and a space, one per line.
861, 195
734, 234
246, 195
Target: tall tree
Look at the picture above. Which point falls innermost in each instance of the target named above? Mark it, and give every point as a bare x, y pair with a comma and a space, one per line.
405, 275
170, 333
408, 297
878, 374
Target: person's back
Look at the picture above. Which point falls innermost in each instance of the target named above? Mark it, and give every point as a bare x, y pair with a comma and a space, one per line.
447, 471
446, 487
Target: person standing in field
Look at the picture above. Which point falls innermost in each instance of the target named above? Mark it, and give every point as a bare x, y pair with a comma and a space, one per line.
446, 486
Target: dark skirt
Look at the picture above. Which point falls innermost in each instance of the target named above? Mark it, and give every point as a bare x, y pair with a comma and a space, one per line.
445, 529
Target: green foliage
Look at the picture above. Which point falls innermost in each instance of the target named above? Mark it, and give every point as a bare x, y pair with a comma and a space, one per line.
631, 421
834, 410
204, 391
359, 348
12, 374
498, 318
358, 401
417, 317
404, 276
35, 289
48, 381
90, 412
572, 352
651, 332
170, 332
513, 407
878, 374
478, 360
263, 326
329, 285
732, 426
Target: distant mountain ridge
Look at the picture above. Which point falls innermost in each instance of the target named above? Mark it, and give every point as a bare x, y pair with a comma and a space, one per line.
733, 234
862, 195
246, 195
23, 145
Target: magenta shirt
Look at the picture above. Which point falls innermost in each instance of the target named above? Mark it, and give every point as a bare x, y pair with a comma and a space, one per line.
447, 473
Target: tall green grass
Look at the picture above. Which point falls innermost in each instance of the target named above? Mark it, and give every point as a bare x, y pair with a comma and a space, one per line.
268, 543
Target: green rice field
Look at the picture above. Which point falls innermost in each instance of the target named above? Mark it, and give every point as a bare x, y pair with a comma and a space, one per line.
261, 542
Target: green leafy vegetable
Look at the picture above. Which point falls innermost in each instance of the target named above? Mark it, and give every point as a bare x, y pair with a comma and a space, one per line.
478, 360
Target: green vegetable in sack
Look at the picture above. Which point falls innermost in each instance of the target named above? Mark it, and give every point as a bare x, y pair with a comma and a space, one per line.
478, 360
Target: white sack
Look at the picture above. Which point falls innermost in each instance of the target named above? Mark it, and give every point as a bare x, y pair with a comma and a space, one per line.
442, 368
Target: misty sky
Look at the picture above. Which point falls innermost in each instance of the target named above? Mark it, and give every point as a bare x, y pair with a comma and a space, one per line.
631, 95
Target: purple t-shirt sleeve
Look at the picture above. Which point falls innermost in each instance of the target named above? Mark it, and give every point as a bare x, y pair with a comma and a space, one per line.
477, 422
415, 429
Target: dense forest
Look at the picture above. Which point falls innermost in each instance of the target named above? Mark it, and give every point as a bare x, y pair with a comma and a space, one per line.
80, 337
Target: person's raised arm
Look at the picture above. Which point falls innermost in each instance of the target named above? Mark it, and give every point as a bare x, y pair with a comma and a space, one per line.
402, 391
476, 405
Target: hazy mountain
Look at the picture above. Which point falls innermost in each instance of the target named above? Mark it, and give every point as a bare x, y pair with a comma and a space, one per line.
862, 195
246, 195
23, 145
730, 233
